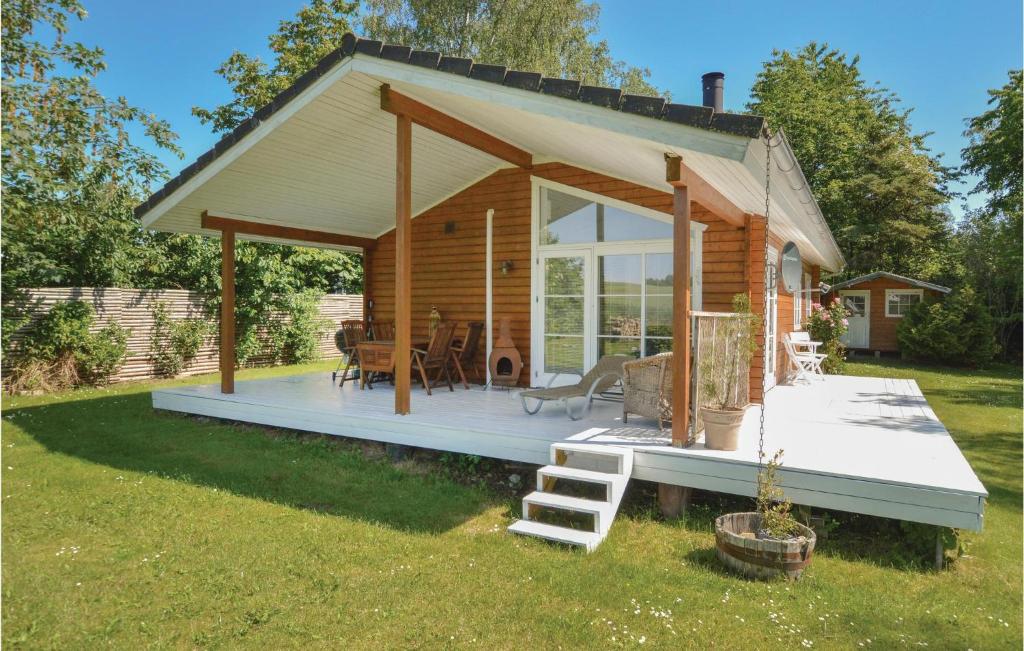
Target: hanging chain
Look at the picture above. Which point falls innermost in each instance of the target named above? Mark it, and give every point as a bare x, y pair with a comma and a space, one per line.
769, 280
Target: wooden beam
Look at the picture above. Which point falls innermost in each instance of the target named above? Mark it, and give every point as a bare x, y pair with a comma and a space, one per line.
681, 315
430, 118
220, 223
403, 263
227, 312
678, 173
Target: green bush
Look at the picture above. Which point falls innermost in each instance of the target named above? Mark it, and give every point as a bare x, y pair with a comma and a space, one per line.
302, 330
61, 345
291, 334
175, 343
827, 324
957, 331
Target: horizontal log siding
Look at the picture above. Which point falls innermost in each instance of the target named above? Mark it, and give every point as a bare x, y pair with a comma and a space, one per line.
133, 309
449, 268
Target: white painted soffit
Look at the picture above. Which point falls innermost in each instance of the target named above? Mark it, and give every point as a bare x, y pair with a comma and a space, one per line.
325, 161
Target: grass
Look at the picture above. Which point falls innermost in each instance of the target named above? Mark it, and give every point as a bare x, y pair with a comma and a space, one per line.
129, 528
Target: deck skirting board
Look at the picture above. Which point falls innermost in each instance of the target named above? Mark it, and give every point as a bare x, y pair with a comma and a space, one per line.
816, 498
791, 478
845, 448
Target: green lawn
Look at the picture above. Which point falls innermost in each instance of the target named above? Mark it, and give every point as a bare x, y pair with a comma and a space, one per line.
128, 528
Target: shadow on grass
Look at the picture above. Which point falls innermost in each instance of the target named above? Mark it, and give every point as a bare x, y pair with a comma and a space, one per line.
313, 473
857, 538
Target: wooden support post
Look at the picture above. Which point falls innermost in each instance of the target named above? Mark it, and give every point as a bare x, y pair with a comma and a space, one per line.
403, 263
681, 315
673, 500
227, 312
367, 272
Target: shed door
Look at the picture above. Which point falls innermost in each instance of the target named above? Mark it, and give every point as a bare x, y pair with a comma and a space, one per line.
858, 306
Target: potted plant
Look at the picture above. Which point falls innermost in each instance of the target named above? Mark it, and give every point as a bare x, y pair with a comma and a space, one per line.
768, 542
724, 373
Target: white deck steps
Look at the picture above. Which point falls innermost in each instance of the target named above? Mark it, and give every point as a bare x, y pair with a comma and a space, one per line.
554, 533
608, 466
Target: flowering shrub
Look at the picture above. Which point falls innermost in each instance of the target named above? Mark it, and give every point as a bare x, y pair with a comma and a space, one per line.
827, 324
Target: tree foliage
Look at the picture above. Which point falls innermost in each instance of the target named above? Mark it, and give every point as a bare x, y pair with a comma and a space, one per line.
555, 37
71, 171
72, 175
989, 241
881, 191
956, 330
297, 45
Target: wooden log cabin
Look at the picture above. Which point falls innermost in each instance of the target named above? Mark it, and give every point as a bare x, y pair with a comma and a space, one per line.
469, 187
592, 222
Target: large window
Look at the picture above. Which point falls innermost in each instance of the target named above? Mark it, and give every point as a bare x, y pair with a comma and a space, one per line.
571, 219
605, 280
899, 301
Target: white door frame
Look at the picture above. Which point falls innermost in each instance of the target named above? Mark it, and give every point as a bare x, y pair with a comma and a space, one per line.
537, 314
771, 343
866, 293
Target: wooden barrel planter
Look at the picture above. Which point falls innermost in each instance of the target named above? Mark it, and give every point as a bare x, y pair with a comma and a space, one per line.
761, 558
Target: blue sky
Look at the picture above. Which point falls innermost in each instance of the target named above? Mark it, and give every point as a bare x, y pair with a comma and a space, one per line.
940, 57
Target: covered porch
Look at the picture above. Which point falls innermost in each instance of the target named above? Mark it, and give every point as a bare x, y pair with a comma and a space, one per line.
863, 445
377, 135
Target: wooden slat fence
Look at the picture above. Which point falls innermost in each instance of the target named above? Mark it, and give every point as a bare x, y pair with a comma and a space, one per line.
133, 309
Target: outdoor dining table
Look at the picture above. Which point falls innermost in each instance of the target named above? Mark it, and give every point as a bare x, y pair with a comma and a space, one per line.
379, 357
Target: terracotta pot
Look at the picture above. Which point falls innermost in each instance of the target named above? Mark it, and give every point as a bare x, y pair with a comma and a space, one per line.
761, 558
721, 427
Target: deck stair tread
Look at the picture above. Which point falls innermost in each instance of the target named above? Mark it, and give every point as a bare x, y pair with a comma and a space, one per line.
580, 474
588, 539
567, 502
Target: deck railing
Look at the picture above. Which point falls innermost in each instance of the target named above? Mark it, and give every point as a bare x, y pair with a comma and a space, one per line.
713, 335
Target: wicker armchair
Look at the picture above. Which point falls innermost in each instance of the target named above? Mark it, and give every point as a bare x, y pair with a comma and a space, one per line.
647, 388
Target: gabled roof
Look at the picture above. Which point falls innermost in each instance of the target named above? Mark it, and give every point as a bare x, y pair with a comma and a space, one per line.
891, 276
320, 155
701, 117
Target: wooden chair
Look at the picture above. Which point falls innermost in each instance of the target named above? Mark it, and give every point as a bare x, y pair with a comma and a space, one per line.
383, 330
436, 356
464, 352
647, 388
350, 334
597, 380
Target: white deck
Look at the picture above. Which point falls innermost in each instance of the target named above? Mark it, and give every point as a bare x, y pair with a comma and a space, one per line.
865, 445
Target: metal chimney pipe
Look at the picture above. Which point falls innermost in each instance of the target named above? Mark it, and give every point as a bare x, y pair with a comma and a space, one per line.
713, 84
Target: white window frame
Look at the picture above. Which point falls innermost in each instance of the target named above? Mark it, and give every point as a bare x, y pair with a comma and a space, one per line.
597, 249
810, 295
893, 292
771, 339
798, 304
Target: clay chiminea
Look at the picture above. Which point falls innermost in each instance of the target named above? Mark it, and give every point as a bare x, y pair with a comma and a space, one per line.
505, 362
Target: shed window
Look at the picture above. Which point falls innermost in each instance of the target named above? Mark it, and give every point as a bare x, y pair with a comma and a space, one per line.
899, 301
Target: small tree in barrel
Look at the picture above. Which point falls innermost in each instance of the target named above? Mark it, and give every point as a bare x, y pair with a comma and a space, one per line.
776, 519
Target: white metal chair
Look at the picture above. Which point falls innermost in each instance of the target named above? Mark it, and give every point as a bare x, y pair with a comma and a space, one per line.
803, 355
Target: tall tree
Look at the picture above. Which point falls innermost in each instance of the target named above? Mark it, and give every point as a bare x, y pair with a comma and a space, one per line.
989, 238
297, 45
556, 37
881, 191
71, 171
